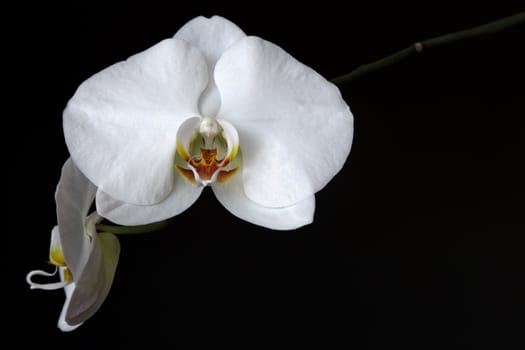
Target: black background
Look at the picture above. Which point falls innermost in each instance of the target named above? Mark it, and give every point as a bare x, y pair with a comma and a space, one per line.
417, 242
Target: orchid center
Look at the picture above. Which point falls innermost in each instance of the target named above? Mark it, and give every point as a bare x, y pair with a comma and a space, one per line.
207, 151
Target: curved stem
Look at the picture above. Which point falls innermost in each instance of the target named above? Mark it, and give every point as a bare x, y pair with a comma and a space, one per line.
420, 46
123, 230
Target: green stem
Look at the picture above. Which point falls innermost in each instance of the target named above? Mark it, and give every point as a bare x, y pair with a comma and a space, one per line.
420, 46
123, 230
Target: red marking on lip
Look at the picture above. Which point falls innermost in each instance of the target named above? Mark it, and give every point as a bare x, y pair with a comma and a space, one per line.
206, 166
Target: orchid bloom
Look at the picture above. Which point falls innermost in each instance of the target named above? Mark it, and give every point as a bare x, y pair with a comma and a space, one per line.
209, 107
86, 260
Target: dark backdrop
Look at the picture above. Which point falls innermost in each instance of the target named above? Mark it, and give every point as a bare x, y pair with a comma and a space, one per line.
417, 242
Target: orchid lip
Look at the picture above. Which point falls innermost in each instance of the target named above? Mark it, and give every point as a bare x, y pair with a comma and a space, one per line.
207, 151
45, 286
219, 173
56, 258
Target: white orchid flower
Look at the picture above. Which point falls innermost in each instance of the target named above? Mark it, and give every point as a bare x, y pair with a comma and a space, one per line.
210, 106
86, 260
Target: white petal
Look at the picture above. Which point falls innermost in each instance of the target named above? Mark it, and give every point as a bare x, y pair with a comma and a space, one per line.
181, 198
62, 324
91, 257
212, 36
121, 124
94, 283
232, 197
295, 129
74, 196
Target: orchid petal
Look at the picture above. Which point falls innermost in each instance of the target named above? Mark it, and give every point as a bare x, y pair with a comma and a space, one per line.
121, 124
74, 196
231, 195
295, 129
181, 198
62, 324
93, 285
91, 257
212, 36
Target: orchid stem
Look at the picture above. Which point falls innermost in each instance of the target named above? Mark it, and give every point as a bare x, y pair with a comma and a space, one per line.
124, 230
420, 46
